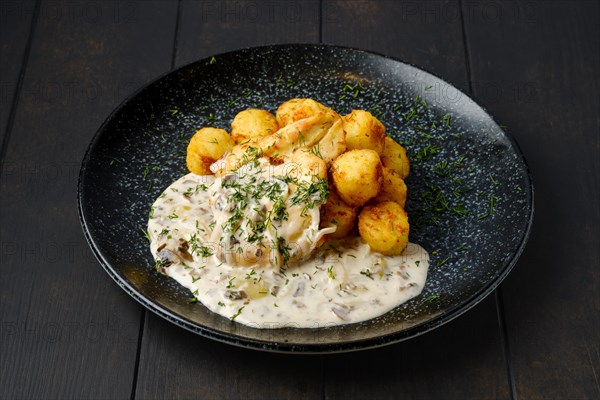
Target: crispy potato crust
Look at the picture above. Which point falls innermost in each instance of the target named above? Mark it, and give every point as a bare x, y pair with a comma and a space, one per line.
357, 176
364, 131
384, 227
252, 123
294, 110
393, 188
336, 212
394, 157
206, 147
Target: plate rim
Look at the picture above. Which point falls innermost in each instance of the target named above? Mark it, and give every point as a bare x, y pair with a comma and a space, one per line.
289, 347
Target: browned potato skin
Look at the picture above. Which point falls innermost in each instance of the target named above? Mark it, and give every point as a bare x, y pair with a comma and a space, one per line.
307, 167
394, 157
384, 227
336, 212
364, 131
357, 176
252, 123
296, 109
393, 188
207, 146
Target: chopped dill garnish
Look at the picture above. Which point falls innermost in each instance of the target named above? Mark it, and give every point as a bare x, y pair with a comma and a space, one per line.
432, 298
146, 235
311, 195
459, 162
493, 200
425, 134
411, 114
442, 168
114, 161
443, 262
425, 153
283, 248
316, 150
460, 209
239, 311
330, 273
197, 248
447, 118
159, 263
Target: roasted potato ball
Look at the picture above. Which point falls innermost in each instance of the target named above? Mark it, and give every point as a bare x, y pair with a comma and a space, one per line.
296, 109
206, 147
357, 176
364, 131
252, 123
336, 212
384, 227
306, 166
394, 157
393, 188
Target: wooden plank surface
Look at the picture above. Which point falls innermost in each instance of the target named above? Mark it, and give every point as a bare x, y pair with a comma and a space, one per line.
461, 360
535, 66
176, 364
15, 28
199, 367
213, 27
68, 331
427, 35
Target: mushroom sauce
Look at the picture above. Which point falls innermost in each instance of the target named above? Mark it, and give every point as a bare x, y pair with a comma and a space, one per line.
248, 246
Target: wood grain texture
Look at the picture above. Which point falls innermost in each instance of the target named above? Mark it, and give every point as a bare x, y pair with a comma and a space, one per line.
15, 27
197, 367
428, 34
535, 66
214, 26
460, 360
176, 364
68, 331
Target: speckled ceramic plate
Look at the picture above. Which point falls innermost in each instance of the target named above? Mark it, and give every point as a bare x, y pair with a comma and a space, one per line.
470, 201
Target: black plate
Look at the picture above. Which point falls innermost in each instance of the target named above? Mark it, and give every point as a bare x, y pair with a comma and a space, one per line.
463, 163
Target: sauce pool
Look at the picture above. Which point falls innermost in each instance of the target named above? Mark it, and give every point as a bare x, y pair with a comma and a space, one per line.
341, 282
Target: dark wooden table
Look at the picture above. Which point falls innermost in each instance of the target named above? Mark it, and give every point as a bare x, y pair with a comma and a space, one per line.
68, 331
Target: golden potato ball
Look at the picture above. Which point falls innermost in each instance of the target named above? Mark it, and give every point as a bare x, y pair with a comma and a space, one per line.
357, 176
364, 131
206, 147
336, 212
296, 109
394, 157
384, 227
252, 123
393, 188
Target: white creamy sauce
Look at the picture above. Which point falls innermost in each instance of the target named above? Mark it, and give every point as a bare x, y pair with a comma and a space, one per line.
259, 263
